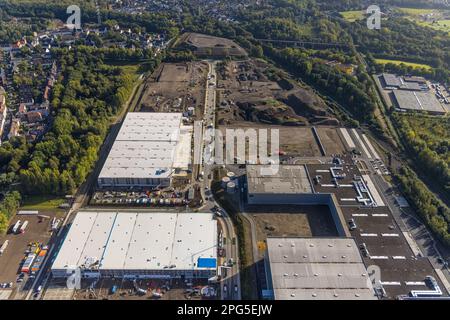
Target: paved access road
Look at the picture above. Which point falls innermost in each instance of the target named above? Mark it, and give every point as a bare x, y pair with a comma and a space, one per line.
232, 280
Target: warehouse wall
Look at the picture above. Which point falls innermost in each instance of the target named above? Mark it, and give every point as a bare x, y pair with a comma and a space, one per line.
303, 199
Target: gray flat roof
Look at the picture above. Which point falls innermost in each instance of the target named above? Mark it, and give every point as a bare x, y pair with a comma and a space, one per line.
391, 80
317, 268
421, 101
287, 179
138, 241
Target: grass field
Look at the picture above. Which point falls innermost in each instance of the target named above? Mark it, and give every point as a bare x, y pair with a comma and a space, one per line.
41, 203
437, 20
398, 62
440, 25
416, 12
352, 16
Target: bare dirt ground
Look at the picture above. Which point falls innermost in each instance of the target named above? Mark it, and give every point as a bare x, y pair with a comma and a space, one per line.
292, 221
294, 141
175, 87
212, 46
254, 91
331, 140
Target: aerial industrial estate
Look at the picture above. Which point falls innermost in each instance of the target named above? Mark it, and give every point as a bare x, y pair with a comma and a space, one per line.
124, 192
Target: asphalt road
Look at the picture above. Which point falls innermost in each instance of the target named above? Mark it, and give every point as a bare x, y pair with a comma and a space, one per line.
232, 280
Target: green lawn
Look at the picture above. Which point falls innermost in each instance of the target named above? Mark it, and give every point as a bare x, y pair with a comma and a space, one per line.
352, 16
41, 203
414, 65
416, 12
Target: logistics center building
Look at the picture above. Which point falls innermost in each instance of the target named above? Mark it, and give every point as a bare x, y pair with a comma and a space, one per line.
139, 245
316, 269
149, 150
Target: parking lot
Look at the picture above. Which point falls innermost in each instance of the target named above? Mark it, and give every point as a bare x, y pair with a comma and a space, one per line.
383, 244
145, 289
146, 198
11, 259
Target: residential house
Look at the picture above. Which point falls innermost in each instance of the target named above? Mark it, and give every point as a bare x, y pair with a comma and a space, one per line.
15, 128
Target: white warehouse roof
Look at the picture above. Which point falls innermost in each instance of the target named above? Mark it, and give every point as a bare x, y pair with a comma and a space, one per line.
152, 126
139, 241
149, 145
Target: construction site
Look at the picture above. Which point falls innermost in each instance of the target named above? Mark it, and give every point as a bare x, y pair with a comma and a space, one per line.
254, 91
176, 87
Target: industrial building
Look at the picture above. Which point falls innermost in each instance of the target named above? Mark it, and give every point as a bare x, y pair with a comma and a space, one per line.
149, 150
391, 81
316, 269
289, 184
139, 245
418, 101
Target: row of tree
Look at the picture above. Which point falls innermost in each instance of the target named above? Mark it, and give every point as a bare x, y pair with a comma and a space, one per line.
432, 162
433, 212
402, 39
352, 92
8, 208
88, 94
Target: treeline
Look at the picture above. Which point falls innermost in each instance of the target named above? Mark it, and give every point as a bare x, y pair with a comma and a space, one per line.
344, 5
352, 92
427, 159
8, 208
435, 213
89, 92
400, 69
401, 39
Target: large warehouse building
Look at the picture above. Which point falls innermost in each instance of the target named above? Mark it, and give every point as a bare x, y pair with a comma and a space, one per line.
149, 150
316, 269
290, 185
145, 245
418, 101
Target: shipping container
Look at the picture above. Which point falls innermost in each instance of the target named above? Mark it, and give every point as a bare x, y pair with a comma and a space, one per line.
15, 227
3, 247
28, 262
38, 261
